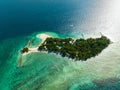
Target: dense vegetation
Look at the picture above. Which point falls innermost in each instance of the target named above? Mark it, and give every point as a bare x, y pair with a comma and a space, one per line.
80, 49
25, 49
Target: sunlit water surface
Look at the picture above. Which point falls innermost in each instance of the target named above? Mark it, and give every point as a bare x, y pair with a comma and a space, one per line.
44, 71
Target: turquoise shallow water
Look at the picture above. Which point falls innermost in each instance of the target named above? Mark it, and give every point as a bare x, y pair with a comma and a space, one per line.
21, 21
48, 71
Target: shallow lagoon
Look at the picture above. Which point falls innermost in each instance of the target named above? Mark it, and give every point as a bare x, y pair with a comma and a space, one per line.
49, 71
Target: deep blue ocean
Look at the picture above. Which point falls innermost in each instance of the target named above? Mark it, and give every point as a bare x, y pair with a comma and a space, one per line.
22, 20
22, 17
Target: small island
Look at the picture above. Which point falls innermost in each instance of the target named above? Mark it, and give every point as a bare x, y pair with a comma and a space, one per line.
25, 50
77, 49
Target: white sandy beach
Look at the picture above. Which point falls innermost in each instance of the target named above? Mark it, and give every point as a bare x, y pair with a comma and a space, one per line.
43, 37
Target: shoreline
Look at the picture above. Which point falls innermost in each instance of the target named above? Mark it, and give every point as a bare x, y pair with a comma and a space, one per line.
43, 37
68, 47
